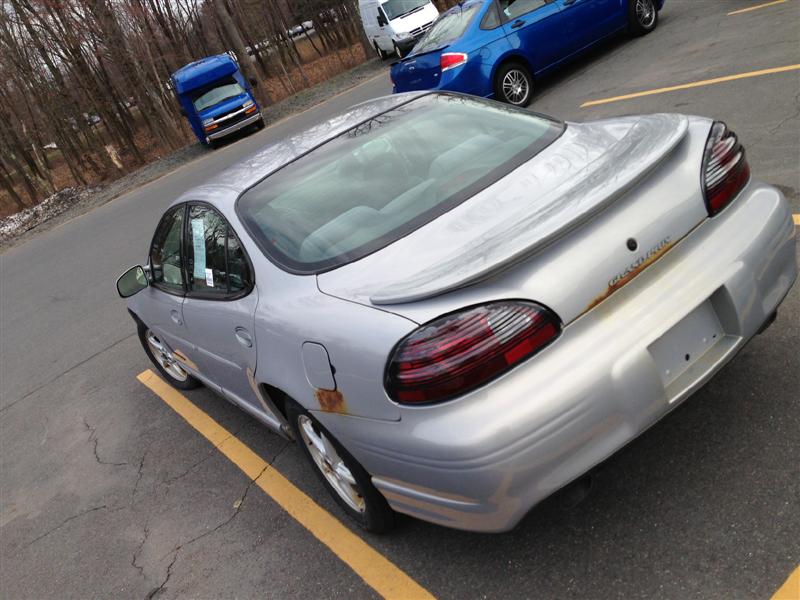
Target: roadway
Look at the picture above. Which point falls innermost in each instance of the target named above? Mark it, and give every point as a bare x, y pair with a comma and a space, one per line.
106, 491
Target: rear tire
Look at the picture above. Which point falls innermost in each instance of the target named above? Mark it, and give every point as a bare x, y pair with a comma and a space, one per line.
164, 361
514, 84
642, 16
381, 54
341, 474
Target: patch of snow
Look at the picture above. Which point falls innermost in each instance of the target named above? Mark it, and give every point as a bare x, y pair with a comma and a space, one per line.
29, 218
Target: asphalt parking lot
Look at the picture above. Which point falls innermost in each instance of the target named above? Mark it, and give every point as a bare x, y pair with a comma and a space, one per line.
109, 489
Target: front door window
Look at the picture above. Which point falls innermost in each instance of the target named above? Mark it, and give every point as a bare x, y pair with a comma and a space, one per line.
165, 253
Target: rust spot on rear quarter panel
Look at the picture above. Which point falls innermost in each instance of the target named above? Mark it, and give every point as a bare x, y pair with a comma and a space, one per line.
331, 401
619, 282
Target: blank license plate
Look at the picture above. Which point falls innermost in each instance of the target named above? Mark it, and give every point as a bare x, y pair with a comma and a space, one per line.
680, 347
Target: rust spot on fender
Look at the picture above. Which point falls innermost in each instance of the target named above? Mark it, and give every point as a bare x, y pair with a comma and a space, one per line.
629, 275
331, 401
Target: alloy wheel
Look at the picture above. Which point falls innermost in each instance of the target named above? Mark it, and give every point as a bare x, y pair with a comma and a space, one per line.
516, 88
645, 13
164, 357
330, 464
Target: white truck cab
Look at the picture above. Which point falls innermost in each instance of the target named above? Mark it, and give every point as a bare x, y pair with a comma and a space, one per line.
394, 26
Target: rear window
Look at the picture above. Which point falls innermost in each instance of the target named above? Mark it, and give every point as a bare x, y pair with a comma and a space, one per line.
447, 28
387, 177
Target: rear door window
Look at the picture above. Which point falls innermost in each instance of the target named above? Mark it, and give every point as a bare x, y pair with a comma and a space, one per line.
217, 265
516, 8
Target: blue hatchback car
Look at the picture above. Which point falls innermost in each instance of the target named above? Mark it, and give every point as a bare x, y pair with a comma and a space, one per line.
496, 48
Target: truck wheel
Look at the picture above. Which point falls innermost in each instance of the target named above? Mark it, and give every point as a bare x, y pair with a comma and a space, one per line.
343, 477
397, 52
381, 53
260, 124
642, 16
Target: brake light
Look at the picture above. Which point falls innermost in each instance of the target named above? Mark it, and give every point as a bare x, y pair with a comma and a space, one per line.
457, 353
451, 60
725, 168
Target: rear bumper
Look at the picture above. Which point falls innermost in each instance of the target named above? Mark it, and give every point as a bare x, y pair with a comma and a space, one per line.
235, 127
483, 461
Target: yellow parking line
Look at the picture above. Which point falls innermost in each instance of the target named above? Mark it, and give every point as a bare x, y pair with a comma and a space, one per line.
796, 219
790, 590
686, 86
756, 7
377, 571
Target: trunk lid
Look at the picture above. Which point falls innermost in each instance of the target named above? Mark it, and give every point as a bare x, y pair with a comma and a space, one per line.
555, 230
418, 71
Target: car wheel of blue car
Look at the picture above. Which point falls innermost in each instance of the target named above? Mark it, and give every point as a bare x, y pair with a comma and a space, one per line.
642, 16
514, 84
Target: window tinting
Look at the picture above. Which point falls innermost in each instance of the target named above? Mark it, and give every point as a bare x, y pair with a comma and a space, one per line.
387, 177
516, 8
165, 252
491, 20
238, 269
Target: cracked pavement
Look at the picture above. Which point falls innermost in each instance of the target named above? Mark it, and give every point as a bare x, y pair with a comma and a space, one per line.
106, 492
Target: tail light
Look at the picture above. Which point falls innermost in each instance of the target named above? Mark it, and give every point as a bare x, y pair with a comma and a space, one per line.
457, 353
451, 60
725, 168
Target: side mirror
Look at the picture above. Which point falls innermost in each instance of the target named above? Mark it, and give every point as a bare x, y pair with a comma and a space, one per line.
131, 282
253, 81
183, 111
381, 21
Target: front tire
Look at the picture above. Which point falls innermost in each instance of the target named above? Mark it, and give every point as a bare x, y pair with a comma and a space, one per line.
161, 357
514, 84
642, 16
341, 474
397, 52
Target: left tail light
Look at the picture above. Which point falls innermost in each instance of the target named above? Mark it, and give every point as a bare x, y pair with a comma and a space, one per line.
451, 60
725, 168
459, 352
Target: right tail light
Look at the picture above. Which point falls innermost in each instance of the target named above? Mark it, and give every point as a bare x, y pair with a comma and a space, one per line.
725, 168
459, 352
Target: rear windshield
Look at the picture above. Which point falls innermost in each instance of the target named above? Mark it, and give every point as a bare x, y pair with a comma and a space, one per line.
387, 177
447, 28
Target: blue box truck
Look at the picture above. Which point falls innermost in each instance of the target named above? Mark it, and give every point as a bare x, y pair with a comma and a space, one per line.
216, 98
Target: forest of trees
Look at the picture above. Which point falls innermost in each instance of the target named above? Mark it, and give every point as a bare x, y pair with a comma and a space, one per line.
84, 84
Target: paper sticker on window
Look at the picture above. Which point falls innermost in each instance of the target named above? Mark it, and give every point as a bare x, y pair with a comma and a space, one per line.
209, 277
199, 245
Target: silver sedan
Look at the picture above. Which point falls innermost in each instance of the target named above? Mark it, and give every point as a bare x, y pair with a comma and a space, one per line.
457, 307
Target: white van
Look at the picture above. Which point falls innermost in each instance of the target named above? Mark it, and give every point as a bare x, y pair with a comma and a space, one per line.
394, 26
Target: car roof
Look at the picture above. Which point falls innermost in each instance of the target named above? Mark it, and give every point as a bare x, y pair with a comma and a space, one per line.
226, 187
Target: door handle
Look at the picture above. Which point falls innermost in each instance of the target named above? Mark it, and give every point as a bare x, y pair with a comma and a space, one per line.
176, 317
243, 337
517, 24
